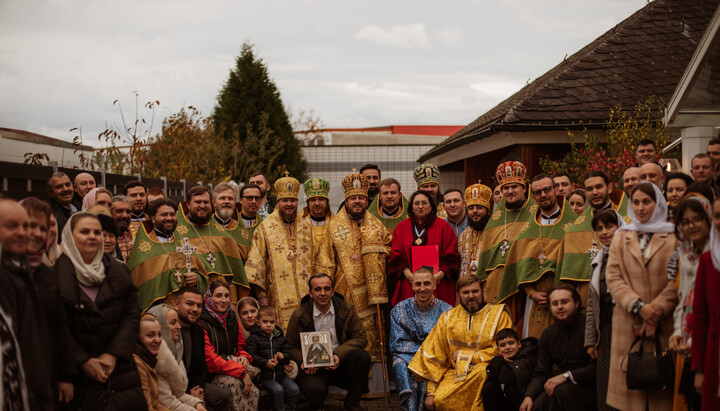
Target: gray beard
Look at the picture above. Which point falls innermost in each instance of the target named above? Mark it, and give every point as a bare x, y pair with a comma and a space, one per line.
225, 213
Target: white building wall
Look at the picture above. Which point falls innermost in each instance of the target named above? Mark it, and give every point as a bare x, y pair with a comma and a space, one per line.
14, 151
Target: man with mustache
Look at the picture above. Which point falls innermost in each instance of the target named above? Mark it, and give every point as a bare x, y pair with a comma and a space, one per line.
477, 197
282, 253
210, 248
61, 193
372, 174
267, 204
410, 323
353, 252
390, 206
121, 208
317, 212
231, 219
224, 198
453, 357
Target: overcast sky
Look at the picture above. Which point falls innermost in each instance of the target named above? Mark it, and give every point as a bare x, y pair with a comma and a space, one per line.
357, 63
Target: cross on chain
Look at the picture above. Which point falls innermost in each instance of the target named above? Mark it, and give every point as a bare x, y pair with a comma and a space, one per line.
187, 250
504, 247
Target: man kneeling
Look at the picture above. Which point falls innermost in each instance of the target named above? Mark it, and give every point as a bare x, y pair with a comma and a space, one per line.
453, 357
323, 310
562, 345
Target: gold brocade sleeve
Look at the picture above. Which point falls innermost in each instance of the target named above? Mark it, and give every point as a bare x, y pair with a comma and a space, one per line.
325, 262
488, 353
255, 268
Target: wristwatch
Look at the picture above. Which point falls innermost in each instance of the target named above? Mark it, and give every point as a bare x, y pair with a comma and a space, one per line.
637, 306
566, 374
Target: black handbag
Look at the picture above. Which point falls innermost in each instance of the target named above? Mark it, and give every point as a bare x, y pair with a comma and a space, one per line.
649, 371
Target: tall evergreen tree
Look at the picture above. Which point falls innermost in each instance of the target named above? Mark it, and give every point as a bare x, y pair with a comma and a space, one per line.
249, 106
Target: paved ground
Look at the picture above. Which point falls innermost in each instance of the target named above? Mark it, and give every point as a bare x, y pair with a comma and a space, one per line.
335, 403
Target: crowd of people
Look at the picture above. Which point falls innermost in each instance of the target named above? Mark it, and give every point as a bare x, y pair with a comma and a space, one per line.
535, 293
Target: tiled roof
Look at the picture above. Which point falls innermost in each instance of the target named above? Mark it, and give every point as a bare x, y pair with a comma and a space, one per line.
645, 55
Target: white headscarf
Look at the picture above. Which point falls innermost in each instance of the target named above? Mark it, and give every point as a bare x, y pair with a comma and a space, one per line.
176, 347
89, 275
715, 247
657, 222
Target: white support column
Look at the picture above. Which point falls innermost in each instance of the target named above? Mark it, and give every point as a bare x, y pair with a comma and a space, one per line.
694, 141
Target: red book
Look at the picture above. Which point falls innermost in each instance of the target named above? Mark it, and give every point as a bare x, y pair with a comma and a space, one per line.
425, 255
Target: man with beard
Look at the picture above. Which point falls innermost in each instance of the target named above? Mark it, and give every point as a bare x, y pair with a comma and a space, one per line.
121, 209
391, 206
453, 357
454, 204
504, 226
82, 184
561, 347
281, 255
317, 212
427, 177
477, 197
532, 259
216, 255
267, 204
372, 175
579, 244
61, 195
224, 198
249, 219
563, 185
135, 191
410, 323
353, 253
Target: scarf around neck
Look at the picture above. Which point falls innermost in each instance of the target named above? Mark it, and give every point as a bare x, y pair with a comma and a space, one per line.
89, 275
210, 306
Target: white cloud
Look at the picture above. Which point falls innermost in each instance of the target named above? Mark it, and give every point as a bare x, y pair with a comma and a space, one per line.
409, 36
448, 35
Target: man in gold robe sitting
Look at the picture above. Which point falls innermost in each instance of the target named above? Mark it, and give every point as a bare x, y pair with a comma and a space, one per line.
455, 354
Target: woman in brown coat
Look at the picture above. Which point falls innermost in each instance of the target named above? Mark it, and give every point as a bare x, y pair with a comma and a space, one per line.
644, 296
146, 351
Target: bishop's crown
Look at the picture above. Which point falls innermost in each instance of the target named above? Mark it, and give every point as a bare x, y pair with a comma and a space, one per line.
355, 184
426, 173
478, 194
511, 172
287, 187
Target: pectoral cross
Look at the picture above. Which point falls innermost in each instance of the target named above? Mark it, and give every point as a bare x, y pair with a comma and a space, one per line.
504, 247
187, 250
542, 258
593, 251
211, 259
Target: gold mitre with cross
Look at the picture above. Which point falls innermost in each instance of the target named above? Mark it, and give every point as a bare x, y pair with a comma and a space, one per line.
511, 172
355, 184
426, 174
316, 187
287, 187
478, 194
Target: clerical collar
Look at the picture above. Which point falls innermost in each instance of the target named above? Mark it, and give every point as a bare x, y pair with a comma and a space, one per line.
222, 222
162, 237
390, 213
318, 219
607, 206
553, 216
248, 221
288, 222
137, 217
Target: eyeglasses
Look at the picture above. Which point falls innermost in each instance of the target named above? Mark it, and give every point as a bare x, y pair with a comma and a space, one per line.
545, 190
697, 221
252, 198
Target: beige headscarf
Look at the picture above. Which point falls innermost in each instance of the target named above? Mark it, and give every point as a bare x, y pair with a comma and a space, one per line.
89, 275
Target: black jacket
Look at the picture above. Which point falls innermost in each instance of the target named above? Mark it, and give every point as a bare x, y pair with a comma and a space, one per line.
107, 325
263, 347
223, 338
515, 375
194, 355
20, 301
62, 215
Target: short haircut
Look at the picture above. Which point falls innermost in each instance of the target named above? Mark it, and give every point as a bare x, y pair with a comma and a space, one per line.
600, 174
267, 311
390, 181
223, 187
260, 173
606, 217
645, 142
541, 176
120, 198
57, 174
197, 191
155, 191
562, 174
132, 184
188, 289
159, 202
714, 141
566, 287
454, 190
506, 333
34, 205
677, 175
646, 187
320, 275
700, 188
702, 155
423, 269
370, 167
466, 280
241, 193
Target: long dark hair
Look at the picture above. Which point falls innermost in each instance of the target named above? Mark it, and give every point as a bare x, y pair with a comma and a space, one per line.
688, 204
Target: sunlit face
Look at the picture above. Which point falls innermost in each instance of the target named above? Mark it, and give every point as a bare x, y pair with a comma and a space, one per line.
224, 203
137, 199
563, 187
199, 207
287, 207
471, 297
317, 206
84, 182
267, 323
37, 232
454, 205
544, 194
390, 196
261, 182
643, 206
596, 191
188, 306
88, 237
694, 227
221, 298
508, 347
653, 173
60, 189
151, 336
605, 233
103, 199
577, 203
248, 315
676, 189
562, 306
702, 169
513, 193
423, 285
109, 242
421, 206
173, 322
321, 292
645, 154
250, 202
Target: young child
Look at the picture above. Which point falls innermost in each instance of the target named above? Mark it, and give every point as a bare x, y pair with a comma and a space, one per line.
508, 374
270, 351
